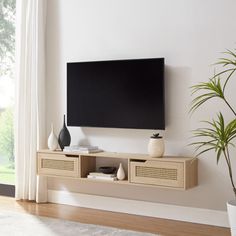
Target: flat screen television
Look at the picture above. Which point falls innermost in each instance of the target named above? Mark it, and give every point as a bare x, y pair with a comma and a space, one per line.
116, 94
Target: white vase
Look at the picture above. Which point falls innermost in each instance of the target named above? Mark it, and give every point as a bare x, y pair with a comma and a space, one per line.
156, 147
231, 209
120, 173
52, 140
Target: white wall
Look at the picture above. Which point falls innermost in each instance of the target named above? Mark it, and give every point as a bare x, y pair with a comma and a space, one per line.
190, 35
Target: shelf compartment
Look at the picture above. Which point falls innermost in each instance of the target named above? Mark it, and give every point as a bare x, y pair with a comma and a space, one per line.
87, 164
92, 163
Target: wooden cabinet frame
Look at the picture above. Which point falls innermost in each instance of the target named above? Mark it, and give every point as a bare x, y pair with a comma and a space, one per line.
142, 170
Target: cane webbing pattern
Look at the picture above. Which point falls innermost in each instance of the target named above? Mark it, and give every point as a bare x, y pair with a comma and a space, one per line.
58, 164
156, 172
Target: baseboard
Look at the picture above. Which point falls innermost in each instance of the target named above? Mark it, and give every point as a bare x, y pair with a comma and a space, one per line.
173, 212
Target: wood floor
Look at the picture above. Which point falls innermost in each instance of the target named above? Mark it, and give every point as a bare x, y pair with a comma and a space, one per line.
118, 220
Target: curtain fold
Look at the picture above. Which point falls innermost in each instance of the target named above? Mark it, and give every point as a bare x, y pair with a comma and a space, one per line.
30, 96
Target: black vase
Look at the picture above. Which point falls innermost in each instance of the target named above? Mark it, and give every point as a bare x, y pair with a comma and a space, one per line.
64, 136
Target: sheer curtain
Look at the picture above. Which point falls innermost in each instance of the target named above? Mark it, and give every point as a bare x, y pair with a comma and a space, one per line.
30, 97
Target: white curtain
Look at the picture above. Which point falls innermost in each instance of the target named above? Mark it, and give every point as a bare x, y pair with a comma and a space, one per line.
30, 97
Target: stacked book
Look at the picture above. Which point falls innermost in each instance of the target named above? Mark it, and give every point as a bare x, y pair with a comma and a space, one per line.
82, 149
101, 176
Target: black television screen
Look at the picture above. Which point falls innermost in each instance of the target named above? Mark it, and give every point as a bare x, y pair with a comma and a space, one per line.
116, 94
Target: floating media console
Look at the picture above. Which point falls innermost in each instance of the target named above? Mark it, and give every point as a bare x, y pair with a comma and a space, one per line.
142, 170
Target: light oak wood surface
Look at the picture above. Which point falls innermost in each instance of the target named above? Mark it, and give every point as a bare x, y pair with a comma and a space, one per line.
117, 155
59, 165
118, 220
167, 172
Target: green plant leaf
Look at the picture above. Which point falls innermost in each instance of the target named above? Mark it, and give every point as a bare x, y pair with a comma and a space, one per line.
209, 89
218, 136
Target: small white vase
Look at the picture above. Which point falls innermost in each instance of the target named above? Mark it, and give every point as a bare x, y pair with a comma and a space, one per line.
231, 209
52, 140
156, 147
120, 173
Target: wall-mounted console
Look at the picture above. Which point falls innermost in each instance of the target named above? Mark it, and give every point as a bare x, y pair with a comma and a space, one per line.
167, 172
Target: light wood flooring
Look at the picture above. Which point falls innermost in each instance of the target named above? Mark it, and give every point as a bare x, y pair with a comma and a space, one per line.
117, 220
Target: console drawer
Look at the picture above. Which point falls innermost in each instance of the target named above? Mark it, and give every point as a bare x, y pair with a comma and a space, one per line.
160, 173
58, 165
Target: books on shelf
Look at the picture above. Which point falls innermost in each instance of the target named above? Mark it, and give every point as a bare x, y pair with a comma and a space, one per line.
90, 151
101, 176
82, 149
86, 148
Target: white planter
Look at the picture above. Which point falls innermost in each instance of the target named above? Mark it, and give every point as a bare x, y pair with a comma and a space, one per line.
231, 208
156, 147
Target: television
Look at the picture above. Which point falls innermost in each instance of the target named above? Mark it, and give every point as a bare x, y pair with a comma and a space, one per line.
116, 94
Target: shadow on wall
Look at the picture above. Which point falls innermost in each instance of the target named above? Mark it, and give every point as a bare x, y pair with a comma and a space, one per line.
177, 132
116, 140
190, 198
177, 102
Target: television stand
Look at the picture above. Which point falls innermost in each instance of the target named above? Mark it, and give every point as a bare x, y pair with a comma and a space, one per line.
170, 172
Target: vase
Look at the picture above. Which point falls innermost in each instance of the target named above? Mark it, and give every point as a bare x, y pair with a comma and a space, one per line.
120, 173
52, 140
156, 147
64, 136
231, 209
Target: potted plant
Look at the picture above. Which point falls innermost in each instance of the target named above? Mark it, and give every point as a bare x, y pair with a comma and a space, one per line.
217, 135
156, 146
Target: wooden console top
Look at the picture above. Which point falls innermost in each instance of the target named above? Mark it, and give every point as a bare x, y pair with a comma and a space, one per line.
118, 155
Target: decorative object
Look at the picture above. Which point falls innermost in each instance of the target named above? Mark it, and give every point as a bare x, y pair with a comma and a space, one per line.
52, 140
107, 169
156, 146
64, 136
120, 173
218, 135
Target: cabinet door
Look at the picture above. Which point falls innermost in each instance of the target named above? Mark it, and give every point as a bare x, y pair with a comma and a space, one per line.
160, 173
58, 165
